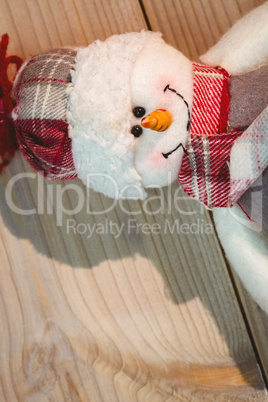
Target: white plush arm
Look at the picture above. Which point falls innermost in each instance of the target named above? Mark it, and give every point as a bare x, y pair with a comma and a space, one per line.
242, 49
246, 247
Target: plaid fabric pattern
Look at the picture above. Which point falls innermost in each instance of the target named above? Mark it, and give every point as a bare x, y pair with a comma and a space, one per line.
211, 100
204, 173
254, 202
39, 116
252, 156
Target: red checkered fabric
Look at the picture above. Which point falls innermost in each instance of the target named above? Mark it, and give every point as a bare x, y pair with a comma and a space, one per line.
211, 100
40, 113
204, 173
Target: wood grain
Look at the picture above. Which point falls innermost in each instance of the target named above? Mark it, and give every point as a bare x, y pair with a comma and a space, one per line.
257, 321
193, 26
91, 314
36, 26
140, 317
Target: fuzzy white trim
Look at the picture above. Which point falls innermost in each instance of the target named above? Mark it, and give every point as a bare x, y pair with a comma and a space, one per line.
100, 115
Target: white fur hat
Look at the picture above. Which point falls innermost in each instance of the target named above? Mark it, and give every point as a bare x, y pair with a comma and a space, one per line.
100, 114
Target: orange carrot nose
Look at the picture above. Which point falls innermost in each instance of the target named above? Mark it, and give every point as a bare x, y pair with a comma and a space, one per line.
159, 120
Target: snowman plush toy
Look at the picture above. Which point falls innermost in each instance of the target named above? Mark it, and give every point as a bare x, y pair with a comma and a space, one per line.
132, 113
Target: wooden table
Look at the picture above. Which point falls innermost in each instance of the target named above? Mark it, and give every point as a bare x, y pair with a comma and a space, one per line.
153, 313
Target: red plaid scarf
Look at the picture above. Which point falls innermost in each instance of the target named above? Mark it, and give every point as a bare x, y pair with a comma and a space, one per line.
204, 173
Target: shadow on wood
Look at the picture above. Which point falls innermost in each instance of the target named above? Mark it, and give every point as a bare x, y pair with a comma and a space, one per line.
140, 290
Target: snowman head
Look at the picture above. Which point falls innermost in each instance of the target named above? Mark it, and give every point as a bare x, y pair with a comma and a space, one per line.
129, 113
162, 85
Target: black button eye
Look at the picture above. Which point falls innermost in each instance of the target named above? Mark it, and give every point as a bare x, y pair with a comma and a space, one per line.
136, 130
139, 111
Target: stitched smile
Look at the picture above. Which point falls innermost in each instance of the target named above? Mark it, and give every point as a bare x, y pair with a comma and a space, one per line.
167, 87
188, 122
175, 149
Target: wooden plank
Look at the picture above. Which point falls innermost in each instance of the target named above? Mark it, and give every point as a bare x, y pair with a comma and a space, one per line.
195, 25
257, 321
142, 315
36, 26
91, 313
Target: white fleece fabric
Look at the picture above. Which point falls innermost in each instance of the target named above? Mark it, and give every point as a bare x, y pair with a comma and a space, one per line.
100, 114
246, 247
158, 66
244, 46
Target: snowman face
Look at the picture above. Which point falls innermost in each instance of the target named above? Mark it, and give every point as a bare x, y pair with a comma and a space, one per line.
162, 79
